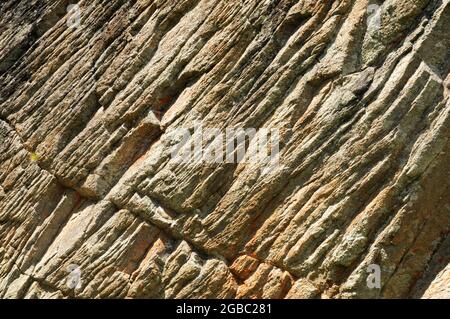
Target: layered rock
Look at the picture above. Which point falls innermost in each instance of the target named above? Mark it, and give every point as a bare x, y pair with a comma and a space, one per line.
358, 91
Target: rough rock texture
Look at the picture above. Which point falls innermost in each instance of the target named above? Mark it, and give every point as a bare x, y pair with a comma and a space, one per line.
86, 176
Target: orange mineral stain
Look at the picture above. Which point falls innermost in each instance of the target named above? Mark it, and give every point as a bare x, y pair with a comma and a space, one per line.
164, 101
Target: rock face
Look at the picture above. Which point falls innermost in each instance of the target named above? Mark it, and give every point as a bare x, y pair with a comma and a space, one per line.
93, 203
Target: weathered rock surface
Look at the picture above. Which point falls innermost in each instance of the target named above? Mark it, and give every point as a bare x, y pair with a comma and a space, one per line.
361, 101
